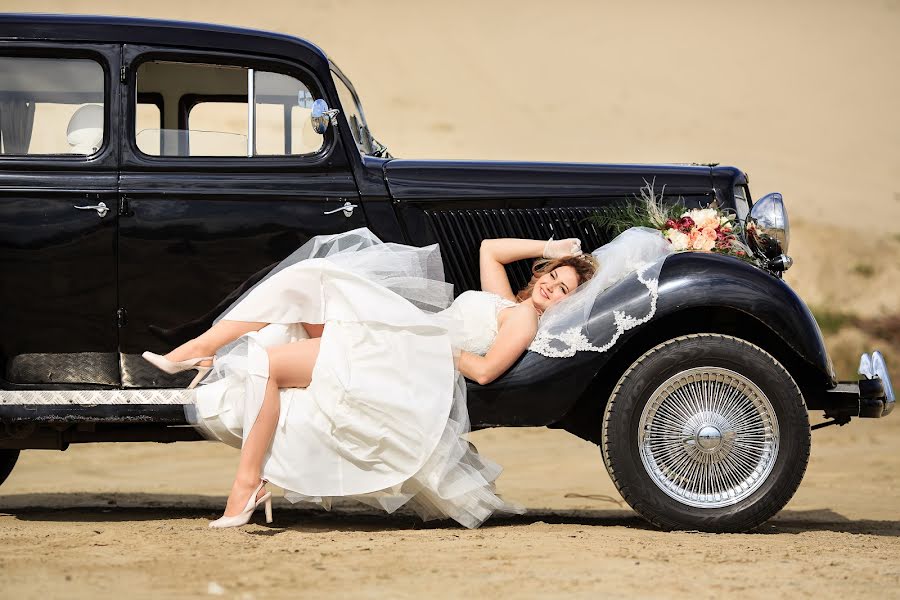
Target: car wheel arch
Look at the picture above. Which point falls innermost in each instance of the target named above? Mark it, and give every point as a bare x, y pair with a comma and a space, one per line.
584, 419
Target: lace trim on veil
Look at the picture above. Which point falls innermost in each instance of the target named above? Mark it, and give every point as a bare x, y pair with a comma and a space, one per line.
563, 330
574, 340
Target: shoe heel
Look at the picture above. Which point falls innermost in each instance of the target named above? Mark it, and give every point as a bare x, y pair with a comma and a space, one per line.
268, 510
201, 372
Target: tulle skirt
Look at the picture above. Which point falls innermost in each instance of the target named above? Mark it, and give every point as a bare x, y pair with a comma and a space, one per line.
384, 420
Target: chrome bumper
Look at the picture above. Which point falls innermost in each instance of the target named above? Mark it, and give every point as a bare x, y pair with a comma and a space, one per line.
876, 385
870, 397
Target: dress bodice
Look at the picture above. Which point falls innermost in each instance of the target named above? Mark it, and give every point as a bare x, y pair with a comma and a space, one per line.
476, 312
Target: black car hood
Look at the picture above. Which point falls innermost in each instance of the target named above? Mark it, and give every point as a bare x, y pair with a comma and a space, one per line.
425, 179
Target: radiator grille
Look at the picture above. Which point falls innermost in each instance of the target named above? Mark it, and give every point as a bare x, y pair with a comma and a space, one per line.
460, 231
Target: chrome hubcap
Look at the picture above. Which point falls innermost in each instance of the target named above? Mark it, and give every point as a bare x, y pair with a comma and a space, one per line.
708, 437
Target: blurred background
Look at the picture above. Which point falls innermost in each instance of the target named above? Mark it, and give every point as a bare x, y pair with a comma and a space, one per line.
802, 96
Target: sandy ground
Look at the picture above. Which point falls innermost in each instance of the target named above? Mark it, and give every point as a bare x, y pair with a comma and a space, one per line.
801, 95
130, 520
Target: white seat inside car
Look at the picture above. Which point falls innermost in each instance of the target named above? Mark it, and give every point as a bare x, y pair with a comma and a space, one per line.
85, 130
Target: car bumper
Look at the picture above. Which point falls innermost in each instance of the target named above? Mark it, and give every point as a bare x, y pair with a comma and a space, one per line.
870, 397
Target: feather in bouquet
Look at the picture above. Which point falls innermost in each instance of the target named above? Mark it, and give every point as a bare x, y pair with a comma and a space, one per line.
707, 229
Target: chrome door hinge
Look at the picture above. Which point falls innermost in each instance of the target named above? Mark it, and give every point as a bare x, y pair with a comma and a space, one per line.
124, 207
122, 317
123, 71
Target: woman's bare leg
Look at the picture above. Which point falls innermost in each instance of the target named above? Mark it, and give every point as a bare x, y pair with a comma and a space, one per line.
313, 330
212, 339
290, 365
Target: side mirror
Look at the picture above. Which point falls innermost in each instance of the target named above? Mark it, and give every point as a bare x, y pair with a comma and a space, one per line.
322, 116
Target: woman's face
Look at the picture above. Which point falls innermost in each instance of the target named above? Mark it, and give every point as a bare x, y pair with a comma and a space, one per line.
552, 287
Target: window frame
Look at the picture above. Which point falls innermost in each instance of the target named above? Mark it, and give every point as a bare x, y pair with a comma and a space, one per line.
104, 55
187, 103
145, 54
336, 73
156, 100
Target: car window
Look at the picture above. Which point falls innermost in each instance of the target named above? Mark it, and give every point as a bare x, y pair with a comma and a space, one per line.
51, 106
217, 129
222, 110
354, 113
149, 117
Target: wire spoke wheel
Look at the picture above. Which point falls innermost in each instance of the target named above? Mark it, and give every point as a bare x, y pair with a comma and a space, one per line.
708, 437
706, 432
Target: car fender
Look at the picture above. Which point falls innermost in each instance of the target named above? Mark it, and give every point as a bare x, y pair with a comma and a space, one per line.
697, 293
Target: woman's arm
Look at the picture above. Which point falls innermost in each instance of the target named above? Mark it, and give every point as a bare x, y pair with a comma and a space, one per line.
513, 338
495, 253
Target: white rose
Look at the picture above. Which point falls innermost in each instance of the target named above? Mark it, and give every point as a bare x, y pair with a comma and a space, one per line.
705, 218
680, 241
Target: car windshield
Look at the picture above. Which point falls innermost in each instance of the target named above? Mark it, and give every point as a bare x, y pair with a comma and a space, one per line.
355, 116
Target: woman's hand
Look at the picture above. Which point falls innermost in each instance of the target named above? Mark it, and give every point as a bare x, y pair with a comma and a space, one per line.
560, 248
495, 253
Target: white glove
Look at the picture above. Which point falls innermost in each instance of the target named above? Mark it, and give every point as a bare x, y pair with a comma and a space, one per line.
560, 248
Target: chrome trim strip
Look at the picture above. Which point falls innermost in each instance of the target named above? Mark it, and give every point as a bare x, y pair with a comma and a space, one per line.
93, 397
251, 111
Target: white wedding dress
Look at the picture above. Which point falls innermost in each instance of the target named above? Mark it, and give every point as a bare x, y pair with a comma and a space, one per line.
384, 420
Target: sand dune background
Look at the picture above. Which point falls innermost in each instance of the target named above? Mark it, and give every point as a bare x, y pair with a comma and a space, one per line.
801, 95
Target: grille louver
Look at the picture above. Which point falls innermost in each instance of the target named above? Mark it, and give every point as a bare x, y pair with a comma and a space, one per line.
459, 233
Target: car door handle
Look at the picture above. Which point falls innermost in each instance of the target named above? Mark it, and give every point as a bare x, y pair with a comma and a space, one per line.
101, 208
347, 208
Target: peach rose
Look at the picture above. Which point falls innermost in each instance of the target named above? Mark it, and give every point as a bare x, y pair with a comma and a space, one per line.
703, 239
695, 239
704, 218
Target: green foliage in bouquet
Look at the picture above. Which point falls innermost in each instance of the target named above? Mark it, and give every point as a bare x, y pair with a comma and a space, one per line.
709, 229
648, 211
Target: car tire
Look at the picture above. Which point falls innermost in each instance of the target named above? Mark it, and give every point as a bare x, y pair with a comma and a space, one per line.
8, 460
706, 432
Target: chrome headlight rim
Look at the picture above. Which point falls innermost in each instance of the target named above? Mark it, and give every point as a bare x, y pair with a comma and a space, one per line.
767, 226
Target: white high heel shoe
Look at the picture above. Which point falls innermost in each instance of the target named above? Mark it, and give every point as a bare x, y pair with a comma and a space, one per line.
172, 367
251, 506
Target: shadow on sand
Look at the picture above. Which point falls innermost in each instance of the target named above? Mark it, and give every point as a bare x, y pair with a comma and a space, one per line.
348, 516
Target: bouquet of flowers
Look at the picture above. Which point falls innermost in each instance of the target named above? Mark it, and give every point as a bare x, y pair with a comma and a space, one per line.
709, 229
703, 229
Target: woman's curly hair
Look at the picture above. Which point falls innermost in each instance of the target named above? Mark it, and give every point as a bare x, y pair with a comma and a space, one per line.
585, 266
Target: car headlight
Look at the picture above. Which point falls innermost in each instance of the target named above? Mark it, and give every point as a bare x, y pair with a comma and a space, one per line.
767, 226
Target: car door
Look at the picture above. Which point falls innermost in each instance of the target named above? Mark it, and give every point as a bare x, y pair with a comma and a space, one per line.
222, 177
58, 214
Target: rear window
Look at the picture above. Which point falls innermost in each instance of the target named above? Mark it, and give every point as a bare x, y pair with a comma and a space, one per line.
51, 106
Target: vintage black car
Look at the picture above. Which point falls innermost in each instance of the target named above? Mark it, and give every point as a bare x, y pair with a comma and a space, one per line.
151, 170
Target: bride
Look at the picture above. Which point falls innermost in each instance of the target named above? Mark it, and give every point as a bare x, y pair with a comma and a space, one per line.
340, 374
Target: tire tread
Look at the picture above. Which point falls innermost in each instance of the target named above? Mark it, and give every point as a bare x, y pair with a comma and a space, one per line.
763, 509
